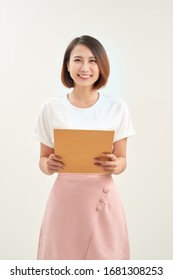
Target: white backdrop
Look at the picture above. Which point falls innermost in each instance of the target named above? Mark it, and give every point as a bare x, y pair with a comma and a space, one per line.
138, 38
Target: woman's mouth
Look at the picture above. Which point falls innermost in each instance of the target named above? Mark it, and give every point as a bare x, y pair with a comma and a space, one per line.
84, 76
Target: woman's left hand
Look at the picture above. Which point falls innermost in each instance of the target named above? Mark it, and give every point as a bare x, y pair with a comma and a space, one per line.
115, 162
108, 162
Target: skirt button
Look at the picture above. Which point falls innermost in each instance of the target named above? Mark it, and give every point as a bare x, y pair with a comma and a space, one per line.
98, 208
105, 190
102, 200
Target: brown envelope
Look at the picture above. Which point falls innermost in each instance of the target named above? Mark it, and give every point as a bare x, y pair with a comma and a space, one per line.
78, 148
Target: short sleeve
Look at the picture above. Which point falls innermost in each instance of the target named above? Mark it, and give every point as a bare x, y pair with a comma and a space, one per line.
43, 131
125, 127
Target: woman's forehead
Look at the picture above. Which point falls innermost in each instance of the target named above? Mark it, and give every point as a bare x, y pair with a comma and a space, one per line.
81, 51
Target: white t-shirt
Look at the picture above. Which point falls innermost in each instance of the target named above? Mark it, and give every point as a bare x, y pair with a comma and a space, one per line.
108, 113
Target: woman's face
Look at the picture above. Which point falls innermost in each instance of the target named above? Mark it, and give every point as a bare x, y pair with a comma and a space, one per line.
83, 67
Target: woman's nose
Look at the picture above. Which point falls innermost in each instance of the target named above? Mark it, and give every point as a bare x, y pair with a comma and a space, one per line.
84, 66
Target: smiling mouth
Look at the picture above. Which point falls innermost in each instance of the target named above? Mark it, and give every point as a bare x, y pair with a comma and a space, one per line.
84, 76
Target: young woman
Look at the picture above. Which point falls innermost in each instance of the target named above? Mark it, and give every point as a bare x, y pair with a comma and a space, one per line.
84, 218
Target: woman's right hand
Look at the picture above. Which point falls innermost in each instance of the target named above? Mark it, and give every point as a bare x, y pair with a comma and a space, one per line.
54, 164
49, 163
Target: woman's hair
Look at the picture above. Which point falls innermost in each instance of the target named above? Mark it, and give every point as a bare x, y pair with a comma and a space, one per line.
101, 57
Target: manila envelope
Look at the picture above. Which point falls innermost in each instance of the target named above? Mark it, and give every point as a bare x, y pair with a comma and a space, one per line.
78, 148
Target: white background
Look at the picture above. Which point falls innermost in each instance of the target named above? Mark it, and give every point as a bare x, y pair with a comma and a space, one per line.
138, 37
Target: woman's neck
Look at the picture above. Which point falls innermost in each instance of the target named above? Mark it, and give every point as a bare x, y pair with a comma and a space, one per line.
83, 98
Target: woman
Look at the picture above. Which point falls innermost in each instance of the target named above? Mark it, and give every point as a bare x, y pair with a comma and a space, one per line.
84, 218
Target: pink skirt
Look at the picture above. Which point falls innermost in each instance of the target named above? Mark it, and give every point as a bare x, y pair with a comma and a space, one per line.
83, 220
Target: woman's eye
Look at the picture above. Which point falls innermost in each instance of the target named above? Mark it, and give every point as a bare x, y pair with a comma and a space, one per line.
76, 60
93, 61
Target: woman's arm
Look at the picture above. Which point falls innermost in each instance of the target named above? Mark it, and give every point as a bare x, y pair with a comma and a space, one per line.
114, 163
49, 163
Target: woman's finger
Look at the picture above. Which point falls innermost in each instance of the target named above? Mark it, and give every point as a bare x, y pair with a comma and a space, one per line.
110, 157
55, 157
106, 163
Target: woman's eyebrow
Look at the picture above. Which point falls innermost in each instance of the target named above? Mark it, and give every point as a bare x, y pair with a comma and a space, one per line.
79, 56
